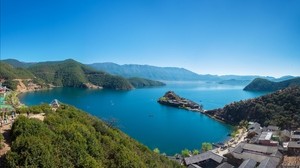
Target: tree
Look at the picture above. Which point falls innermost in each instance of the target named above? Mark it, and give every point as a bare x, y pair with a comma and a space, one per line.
195, 152
156, 150
185, 153
206, 146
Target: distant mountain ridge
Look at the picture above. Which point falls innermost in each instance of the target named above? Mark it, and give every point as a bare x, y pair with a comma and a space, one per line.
260, 84
147, 71
175, 74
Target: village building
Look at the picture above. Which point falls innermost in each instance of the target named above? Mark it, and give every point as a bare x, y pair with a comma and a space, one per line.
266, 139
248, 163
295, 135
268, 163
294, 148
256, 152
54, 103
225, 165
207, 159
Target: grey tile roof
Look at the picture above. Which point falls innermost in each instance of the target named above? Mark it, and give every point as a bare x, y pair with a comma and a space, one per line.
203, 156
272, 128
225, 165
261, 149
294, 144
249, 163
194, 166
268, 163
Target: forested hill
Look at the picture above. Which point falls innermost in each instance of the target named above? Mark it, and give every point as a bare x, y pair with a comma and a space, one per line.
69, 137
74, 74
260, 84
68, 73
281, 108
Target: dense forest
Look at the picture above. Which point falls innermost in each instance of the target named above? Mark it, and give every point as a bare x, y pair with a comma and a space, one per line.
281, 108
68, 73
260, 84
69, 137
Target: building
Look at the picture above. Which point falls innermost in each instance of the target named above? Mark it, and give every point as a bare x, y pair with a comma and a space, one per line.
256, 152
272, 128
54, 103
266, 139
268, 163
295, 135
248, 163
207, 159
294, 148
254, 131
225, 165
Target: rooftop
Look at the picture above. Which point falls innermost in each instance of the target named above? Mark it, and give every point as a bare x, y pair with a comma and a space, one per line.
265, 136
268, 163
249, 163
294, 144
259, 149
202, 157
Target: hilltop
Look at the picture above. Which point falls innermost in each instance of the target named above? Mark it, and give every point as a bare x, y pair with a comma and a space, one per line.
260, 84
281, 108
69, 137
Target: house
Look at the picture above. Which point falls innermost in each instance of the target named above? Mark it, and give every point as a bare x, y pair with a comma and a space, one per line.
272, 128
295, 135
207, 159
266, 139
225, 165
54, 103
248, 163
294, 148
268, 163
193, 166
256, 152
254, 129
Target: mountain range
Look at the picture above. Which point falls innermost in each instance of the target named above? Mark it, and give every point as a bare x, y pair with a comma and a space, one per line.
161, 73
176, 74
67, 73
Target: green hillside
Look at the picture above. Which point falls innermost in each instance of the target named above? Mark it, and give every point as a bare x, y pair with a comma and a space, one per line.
141, 82
281, 108
9, 72
72, 138
70, 73
260, 84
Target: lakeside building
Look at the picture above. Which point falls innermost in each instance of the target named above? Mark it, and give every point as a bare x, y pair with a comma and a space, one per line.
206, 159
266, 139
295, 135
256, 152
248, 163
293, 148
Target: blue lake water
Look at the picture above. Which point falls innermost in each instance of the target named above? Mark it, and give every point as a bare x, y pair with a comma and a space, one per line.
140, 116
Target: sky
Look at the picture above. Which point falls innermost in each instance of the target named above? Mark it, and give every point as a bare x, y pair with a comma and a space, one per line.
249, 37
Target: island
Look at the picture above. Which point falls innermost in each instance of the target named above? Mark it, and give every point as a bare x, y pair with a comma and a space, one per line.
172, 99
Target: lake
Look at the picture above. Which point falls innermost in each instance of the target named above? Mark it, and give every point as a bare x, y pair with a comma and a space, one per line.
141, 117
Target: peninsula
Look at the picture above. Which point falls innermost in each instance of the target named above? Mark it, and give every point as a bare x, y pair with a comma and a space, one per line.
172, 99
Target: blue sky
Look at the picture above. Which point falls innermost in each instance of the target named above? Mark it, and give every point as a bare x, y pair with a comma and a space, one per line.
250, 37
